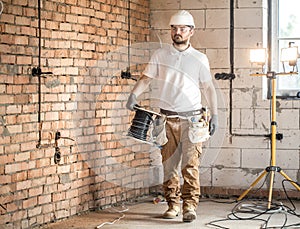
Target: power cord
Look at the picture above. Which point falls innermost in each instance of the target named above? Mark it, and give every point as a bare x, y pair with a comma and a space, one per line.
256, 210
116, 220
1, 9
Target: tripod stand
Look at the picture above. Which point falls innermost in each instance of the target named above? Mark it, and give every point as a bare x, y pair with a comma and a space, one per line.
273, 167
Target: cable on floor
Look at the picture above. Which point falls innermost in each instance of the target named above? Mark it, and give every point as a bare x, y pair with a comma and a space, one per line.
116, 220
256, 210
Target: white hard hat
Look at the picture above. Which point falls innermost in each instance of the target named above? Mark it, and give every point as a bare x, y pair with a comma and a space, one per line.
182, 17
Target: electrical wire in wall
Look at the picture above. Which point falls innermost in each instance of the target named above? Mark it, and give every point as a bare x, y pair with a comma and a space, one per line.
1, 7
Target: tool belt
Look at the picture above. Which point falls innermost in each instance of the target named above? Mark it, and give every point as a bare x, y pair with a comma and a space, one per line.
183, 114
198, 123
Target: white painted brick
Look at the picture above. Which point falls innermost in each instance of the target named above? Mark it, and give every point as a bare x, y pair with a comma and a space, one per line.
243, 78
288, 159
218, 58
160, 19
217, 18
288, 119
205, 176
262, 119
242, 98
211, 38
164, 4
283, 104
247, 118
241, 142
233, 178
250, 3
255, 158
204, 4
248, 18
246, 38
228, 158
290, 139
236, 119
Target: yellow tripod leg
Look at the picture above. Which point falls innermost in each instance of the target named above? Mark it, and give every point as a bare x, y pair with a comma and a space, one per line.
271, 189
252, 185
287, 177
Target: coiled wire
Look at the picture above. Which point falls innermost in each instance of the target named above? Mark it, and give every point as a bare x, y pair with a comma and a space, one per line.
140, 124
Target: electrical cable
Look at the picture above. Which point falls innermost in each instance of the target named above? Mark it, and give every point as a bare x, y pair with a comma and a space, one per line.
257, 210
39, 75
291, 211
116, 220
2, 7
128, 41
140, 125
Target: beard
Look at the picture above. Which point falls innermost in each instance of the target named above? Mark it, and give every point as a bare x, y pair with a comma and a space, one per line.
177, 39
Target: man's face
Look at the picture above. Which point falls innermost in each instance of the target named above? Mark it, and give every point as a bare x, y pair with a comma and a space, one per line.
181, 34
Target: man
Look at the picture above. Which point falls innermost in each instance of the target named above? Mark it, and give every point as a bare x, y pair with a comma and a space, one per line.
183, 73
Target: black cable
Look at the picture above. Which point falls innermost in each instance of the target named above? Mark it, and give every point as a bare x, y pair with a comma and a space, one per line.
231, 62
39, 76
291, 211
128, 41
274, 209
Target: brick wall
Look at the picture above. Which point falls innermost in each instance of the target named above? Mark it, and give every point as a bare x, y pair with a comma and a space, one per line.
83, 43
231, 162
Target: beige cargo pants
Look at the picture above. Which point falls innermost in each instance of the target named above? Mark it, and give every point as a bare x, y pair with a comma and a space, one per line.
178, 153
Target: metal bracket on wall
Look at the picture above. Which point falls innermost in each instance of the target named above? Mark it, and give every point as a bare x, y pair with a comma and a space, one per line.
38, 72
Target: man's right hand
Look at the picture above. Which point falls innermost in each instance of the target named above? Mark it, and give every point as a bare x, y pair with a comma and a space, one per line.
131, 102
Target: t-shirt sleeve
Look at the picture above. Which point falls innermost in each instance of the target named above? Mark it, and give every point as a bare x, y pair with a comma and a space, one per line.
204, 70
151, 69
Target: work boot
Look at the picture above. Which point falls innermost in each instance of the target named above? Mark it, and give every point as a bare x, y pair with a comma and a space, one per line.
189, 215
172, 212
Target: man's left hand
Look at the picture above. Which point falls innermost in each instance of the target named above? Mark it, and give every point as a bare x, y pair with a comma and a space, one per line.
213, 124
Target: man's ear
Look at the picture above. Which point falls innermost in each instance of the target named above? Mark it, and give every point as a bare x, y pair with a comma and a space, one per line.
192, 31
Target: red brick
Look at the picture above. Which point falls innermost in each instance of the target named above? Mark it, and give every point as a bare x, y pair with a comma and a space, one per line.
42, 162
27, 60
20, 176
44, 199
35, 191
22, 99
48, 207
20, 2
23, 185
34, 173
19, 215
6, 99
31, 202
8, 59
28, 146
58, 196
5, 179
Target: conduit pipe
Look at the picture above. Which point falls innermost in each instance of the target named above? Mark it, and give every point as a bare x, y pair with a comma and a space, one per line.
230, 76
38, 73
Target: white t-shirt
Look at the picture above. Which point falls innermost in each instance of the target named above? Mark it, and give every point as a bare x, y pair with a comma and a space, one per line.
178, 77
